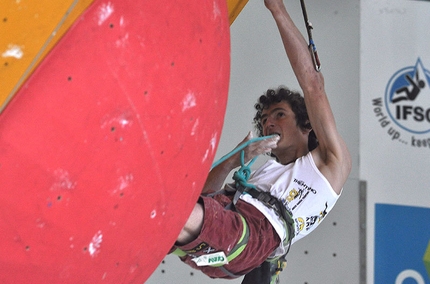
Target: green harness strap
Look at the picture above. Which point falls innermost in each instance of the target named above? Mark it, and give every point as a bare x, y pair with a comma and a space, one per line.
235, 252
241, 244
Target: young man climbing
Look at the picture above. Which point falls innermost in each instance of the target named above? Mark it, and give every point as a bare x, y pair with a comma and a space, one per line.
286, 198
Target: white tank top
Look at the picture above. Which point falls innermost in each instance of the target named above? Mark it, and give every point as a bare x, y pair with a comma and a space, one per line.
302, 189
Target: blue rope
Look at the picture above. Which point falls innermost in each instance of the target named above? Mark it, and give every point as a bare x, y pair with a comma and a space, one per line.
242, 175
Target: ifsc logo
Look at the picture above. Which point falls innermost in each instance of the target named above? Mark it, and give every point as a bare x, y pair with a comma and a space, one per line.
406, 114
407, 98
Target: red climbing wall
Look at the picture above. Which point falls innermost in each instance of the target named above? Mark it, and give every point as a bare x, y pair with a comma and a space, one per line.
104, 150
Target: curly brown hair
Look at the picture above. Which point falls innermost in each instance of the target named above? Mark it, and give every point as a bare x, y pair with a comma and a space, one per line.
297, 104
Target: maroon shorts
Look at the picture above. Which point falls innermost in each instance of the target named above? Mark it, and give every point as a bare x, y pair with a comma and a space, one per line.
222, 230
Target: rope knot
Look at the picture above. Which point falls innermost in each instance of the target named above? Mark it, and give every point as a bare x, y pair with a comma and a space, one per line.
242, 175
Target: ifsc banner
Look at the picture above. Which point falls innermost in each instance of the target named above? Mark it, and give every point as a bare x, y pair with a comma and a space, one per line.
395, 137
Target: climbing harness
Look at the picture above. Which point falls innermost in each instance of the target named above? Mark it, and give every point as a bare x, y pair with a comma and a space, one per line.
312, 47
241, 176
242, 186
271, 268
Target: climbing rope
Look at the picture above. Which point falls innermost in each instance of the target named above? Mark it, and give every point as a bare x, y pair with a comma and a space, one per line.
312, 47
242, 175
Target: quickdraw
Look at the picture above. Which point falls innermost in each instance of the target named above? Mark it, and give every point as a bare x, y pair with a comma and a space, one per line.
312, 47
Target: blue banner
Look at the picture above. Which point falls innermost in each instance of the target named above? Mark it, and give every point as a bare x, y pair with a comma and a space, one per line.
402, 235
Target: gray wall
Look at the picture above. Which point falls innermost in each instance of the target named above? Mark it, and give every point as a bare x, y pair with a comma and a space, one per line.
331, 254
